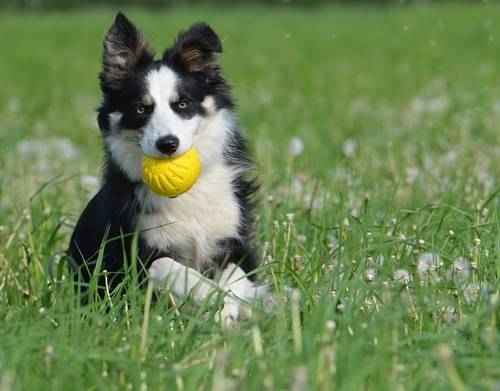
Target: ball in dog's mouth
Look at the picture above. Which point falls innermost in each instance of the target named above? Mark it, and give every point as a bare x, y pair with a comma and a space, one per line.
171, 177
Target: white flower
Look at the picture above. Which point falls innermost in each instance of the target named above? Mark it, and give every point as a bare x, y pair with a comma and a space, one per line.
427, 264
61, 148
449, 314
65, 148
496, 107
49, 351
349, 147
333, 243
299, 379
360, 106
494, 299
297, 185
460, 270
411, 175
471, 293
330, 325
438, 104
301, 238
370, 274
13, 104
402, 276
295, 147
90, 183
450, 158
430, 105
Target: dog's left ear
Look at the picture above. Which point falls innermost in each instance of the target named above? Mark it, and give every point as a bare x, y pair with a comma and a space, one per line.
124, 52
195, 50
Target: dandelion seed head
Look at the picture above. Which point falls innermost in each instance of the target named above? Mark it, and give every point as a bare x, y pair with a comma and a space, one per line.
428, 263
299, 379
449, 314
46, 150
412, 175
297, 185
471, 293
494, 299
295, 147
333, 243
13, 104
49, 350
402, 276
370, 274
90, 183
301, 238
330, 325
349, 148
460, 270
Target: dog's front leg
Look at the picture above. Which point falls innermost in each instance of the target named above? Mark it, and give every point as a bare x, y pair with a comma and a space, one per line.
239, 293
181, 280
184, 281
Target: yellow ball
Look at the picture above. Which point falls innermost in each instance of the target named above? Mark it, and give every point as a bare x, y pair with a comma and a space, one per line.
173, 176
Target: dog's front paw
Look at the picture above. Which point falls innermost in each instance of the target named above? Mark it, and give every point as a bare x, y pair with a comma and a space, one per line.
159, 271
232, 313
228, 316
269, 302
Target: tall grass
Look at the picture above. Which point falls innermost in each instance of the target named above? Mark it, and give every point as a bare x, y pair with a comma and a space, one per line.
375, 133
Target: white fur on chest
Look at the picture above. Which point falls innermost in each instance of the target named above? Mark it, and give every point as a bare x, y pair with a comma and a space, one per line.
191, 224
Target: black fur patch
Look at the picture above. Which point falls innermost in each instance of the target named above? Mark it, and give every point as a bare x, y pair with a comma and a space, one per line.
195, 50
125, 53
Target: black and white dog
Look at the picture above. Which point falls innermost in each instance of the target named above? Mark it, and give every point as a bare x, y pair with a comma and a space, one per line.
161, 108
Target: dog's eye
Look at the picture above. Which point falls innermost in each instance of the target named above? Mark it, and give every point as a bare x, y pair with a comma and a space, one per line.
183, 105
142, 109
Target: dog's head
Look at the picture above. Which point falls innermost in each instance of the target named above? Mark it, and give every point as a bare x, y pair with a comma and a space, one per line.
162, 107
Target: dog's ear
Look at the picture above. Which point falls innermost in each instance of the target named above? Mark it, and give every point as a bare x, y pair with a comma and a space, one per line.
124, 52
195, 50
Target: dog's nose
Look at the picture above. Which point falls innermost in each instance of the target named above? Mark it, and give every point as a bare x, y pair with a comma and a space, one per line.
167, 144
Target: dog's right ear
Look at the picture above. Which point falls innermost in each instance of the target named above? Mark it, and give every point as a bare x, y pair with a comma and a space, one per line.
124, 52
196, 50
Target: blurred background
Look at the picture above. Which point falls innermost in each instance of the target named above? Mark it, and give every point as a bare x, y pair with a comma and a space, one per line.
375, 98
64, 4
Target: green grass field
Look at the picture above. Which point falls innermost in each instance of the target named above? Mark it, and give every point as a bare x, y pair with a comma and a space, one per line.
388, 222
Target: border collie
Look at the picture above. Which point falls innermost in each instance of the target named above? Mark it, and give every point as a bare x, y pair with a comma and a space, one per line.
161, 108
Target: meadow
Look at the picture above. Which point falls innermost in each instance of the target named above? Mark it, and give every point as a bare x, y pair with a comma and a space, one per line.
376, 133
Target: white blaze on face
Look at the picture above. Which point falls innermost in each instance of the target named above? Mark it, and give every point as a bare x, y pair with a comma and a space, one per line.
162, 86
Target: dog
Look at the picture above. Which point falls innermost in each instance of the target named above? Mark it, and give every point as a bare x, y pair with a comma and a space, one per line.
162, 108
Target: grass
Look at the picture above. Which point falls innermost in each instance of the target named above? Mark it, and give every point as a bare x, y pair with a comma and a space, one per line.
398, 110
